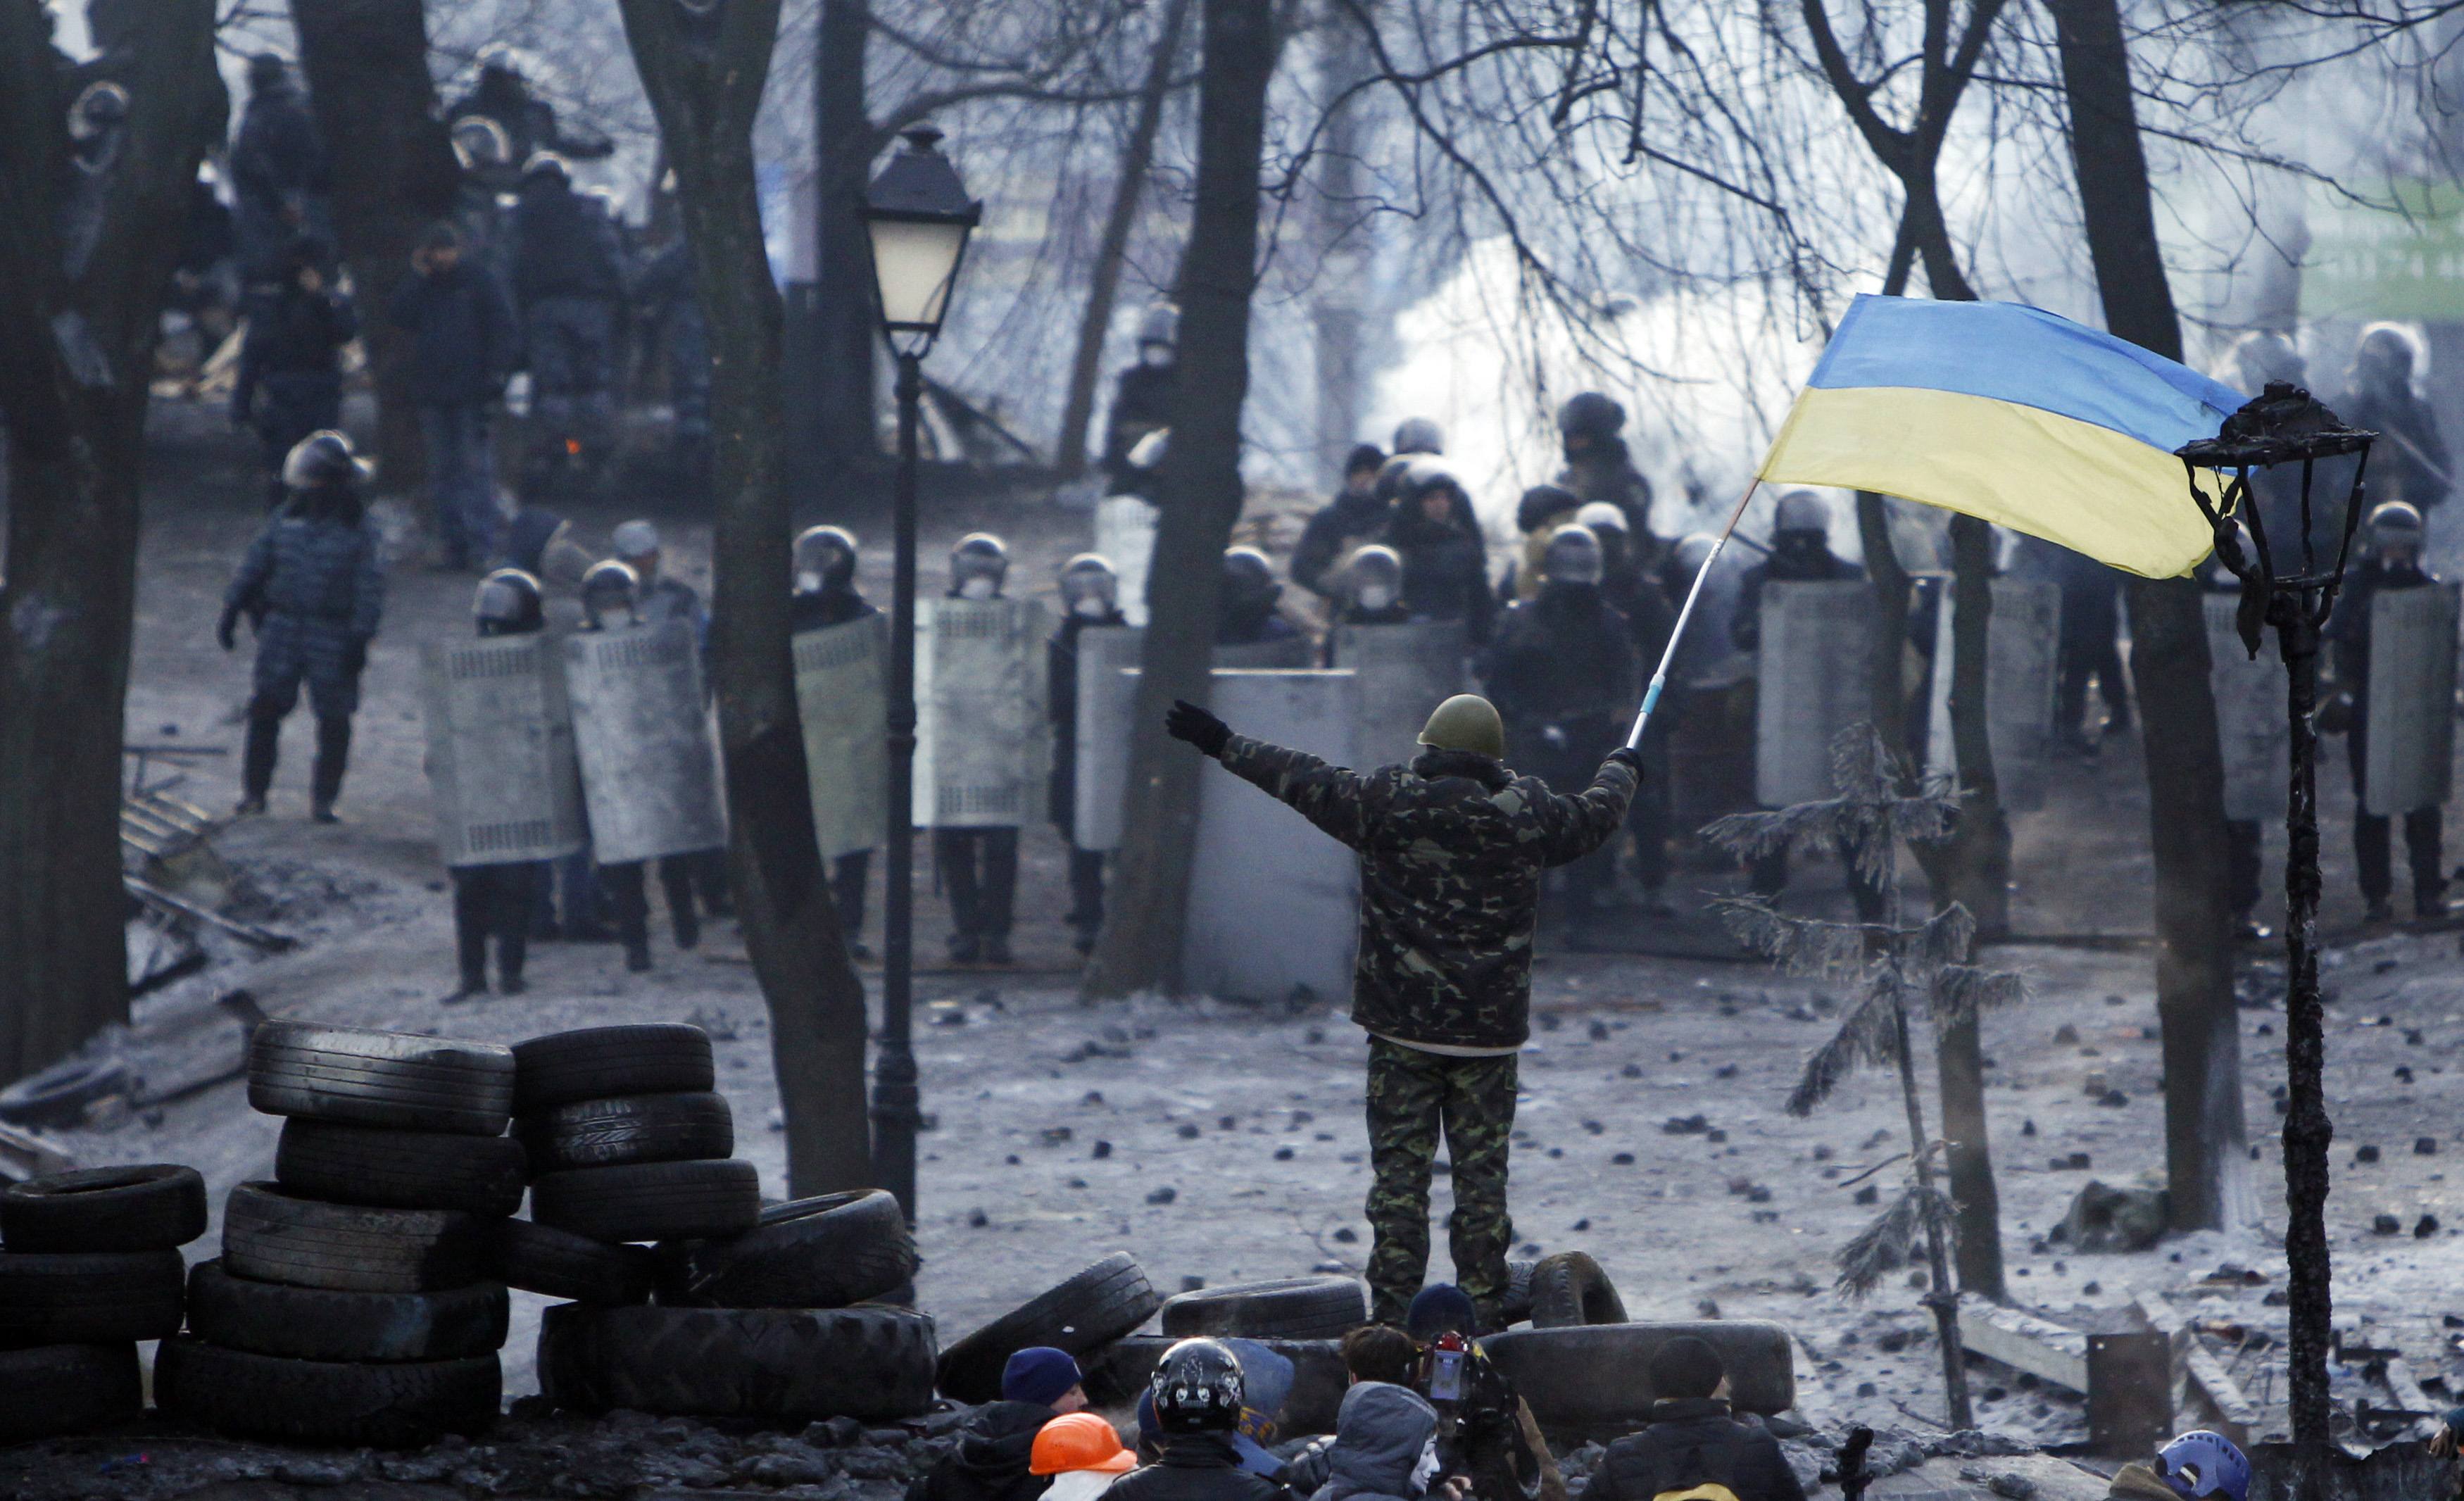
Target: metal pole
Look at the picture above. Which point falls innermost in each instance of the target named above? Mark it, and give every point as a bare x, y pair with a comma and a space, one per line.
2307, 1130
895, 1094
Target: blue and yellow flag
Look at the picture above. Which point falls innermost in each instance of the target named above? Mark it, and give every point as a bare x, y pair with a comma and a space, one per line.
2012, 416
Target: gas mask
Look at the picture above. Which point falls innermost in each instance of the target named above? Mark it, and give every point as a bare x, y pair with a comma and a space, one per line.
1375, 596
1155, 357
979, 587
1089, 607
808, 584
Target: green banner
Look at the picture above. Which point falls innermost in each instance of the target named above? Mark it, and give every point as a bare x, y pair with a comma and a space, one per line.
2404, 262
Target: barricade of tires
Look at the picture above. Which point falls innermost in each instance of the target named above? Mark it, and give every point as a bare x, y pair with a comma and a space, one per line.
352, 1303
769, 1313
89, 1266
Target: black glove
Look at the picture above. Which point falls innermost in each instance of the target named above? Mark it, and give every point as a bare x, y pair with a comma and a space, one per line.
1186, 721
1631, 760
355, 655
226, 629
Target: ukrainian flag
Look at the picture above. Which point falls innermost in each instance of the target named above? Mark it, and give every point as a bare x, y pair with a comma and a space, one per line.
2013, 415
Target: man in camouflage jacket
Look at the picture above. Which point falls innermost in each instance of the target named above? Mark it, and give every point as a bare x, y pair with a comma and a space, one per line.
1451, 849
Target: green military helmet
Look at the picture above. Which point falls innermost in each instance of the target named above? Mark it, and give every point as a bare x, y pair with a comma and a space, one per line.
1466, 722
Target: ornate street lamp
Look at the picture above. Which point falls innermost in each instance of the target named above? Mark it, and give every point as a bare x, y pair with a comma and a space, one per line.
2285, 586
918, 217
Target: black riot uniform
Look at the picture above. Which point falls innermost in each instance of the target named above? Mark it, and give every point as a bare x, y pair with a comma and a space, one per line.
290, 382
1089, 591
1142, 401
2409, 462
610, 600
503, 96
1800, 553
497, 900
979, 863
826, 595
1248, 614
2394, 563
1633, 590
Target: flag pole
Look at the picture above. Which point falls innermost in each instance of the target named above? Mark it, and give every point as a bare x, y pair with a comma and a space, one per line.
1659, 678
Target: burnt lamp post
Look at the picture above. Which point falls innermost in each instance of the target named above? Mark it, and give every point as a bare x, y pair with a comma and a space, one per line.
2289, 587
916, 217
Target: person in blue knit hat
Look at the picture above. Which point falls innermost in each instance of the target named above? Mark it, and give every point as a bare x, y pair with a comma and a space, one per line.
997, 1447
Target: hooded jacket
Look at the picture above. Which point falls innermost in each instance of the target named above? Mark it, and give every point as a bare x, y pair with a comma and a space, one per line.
990, 1463
1451, 849
1690, 1441
1381, 1432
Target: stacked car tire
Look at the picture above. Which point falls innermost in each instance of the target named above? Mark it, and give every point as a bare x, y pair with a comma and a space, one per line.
89, 1266
352, 1302
761, 1313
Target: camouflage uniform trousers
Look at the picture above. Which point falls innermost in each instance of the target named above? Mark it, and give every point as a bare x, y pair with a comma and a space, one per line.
1412, 1096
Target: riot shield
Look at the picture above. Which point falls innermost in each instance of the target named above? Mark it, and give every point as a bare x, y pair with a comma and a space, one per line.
1125, 534
844, 704
1402, 672
1106, 695
1814, 676
2022, 647
500, 750
649, 776
981, 738
2412, 698
1283, 655
2250, 728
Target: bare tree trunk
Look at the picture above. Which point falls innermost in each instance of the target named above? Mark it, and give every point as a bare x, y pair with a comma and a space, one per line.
2206, 1161
1140, 947
1342, 256
366, 66
704, 76
76, 359
1129, 190
845, 143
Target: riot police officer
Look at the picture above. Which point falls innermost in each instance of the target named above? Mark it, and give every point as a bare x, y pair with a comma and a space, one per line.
1800, 552
497, 900
279, 174
1371, 593
1598, 465
2409, 462
290, 380
1142, 401
1563, 673
1538, 515
611, 601
1635, 592
502, 95
569, 280
2394, 563
1250, 592
313, 585
1089, 596
979, 863
1418, 436
823, 564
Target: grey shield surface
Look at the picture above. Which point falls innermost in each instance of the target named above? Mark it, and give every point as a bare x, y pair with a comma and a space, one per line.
1106, 693
1273, 903
1814, 673
980, 761
2021, 644
843, 699
1404, 672
648, 775
2412, 698
500, 750
1288, 654
1125, 534
2250, 727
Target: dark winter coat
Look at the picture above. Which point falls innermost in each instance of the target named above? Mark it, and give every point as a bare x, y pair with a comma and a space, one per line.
291, 356
1565, 660
1790, 563
1381, 1432
1446, 568
464, 340
1607, 472
563, 245
530, 124
990, 1460
1194, 1467
1142, 404
828, 608
1688, 1442
1451, 851
316, 560
1346, 523
2409, 462
277, 156
1061, 707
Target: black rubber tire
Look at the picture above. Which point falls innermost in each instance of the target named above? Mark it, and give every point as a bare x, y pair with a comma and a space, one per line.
400, 1169
824, 1253
1594, 1380
1106, 1302
650, 1201
1568, 1289
58, 1096
156, 1207
316, 1324
1517, 1307
81, 1387
402, 1405
871, 1363
629, 1128
1279, 1308
1119, 1374
603, 1062
371, 1078
271, 1236
89, 1297
559, 1265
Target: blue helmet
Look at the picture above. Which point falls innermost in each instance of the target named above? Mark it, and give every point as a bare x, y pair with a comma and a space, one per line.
2201, 1464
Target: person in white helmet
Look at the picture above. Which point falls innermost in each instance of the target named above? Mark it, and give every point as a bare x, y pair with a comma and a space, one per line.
2392, 563
1089, 597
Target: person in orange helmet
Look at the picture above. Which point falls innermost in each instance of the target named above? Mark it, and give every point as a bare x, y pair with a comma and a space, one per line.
1082, 1455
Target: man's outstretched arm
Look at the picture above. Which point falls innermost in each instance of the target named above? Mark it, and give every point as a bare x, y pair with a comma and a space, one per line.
1330, 797
1573, 827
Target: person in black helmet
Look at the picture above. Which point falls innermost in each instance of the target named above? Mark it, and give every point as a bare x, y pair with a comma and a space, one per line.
313, 585
1089, 596
279, 174
1598, 465
980, 862
1197, 1392
612, 599
824, 566
496, 900
1250, 593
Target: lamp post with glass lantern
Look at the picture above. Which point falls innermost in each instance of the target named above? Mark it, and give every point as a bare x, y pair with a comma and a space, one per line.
2286, 425
918, 217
